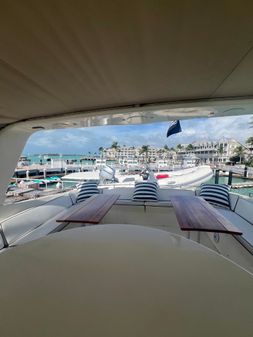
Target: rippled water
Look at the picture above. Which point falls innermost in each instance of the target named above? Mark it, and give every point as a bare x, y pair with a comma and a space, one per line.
243, 191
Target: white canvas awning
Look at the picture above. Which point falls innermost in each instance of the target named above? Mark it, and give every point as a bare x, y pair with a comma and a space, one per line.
67, 56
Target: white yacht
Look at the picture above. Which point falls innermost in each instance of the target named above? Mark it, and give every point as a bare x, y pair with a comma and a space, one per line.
100, 162
66, 64
187, 177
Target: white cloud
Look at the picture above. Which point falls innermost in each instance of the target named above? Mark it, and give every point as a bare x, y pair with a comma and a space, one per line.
90, 139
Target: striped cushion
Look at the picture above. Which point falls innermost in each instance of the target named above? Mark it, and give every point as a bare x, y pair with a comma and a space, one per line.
216, 194
86, 183
145, 191
86, 190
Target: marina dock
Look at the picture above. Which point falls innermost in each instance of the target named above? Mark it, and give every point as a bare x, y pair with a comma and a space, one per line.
242, 185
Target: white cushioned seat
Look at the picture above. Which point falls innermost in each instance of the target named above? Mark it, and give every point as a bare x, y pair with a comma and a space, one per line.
32, 218
244, 208
242, 224
216, 194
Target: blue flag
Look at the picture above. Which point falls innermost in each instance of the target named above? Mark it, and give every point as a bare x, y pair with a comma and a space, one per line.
174, 128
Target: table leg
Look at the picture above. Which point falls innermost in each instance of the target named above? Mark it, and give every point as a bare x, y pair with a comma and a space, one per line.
198, 237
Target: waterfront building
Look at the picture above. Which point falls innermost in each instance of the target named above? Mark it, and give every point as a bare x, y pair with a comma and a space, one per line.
219, 151
125, 152
206, 151
122, 152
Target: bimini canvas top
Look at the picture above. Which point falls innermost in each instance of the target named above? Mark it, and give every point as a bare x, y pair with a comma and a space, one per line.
67, 56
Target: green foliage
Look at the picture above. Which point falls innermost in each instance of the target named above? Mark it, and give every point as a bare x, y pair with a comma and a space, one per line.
239, 151
115, 146
249, 162
101, 151
190, 147
221, 149
234, 159
249, 141
144, 149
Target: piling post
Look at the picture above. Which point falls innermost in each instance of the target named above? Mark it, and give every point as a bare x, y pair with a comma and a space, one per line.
216, 180
245, 174
44, 173
230, 177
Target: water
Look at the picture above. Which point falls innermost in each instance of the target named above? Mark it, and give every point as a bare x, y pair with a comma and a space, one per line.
36, 159
243, 191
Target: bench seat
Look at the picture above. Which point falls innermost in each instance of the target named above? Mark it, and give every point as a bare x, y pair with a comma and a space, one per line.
245, 226
26, 221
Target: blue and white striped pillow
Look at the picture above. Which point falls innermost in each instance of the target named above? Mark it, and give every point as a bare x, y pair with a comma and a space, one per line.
216, 194
86, 190
145, 191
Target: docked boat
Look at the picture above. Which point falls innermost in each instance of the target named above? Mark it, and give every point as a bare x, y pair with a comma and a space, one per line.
47, 181
187, 177
140, 260
23, 161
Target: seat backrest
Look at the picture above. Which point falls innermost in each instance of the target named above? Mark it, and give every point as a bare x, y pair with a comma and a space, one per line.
244, 208
233, 197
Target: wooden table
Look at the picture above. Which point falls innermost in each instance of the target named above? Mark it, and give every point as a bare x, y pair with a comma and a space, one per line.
92, 210
196, 214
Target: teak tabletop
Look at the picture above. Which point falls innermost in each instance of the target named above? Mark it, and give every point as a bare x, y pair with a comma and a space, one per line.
92, 210
196, 214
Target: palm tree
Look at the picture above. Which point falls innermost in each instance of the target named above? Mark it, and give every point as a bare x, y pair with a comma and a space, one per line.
189, 147
115, 146
165, 151
101, 151
178, 147
144, 149
250, 141
221, 150
239, 151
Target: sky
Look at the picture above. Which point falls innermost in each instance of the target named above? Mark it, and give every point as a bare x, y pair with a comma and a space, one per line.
84, 140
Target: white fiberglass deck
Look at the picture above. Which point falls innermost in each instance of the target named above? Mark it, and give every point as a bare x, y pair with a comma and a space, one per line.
122, 280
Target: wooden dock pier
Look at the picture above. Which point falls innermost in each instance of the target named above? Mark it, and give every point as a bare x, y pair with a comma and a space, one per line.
242, 185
